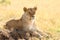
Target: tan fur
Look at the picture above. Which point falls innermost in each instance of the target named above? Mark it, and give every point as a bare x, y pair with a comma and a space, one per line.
25, 23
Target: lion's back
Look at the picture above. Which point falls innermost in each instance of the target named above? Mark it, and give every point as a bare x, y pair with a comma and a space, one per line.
13, 24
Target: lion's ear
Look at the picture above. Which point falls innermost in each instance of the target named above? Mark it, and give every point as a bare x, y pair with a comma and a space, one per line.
35, 8
25, 9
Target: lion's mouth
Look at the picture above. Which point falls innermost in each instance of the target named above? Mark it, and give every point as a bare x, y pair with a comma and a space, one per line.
32, 17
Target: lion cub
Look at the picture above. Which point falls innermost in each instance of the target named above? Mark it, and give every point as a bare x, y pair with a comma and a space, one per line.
25, 23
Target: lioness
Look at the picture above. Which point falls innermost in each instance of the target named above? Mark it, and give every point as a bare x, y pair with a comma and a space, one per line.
25, 23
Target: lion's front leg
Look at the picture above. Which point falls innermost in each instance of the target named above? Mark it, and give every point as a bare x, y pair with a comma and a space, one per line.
38, 34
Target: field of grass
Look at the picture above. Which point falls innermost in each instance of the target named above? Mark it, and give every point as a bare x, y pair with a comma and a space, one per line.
47, 15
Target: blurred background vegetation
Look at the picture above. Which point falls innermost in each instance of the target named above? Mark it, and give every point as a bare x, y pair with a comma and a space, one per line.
47, 15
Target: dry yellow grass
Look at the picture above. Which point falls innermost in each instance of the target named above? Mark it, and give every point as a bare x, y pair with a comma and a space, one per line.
47, 15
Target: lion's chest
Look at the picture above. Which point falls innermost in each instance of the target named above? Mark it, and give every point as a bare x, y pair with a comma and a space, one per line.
29, 25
